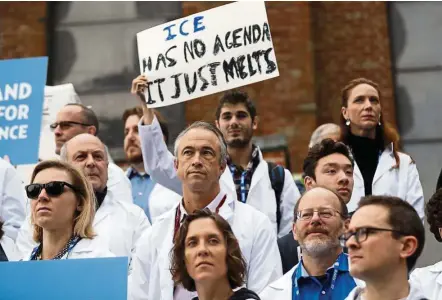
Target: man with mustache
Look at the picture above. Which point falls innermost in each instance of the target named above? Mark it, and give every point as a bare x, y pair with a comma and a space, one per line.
200, 160
152, 197
117, 223
268, 188
328, 164
321, 217
74, 119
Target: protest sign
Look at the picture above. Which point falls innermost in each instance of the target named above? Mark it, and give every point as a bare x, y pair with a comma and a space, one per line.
216, 50
66, 279
21, 103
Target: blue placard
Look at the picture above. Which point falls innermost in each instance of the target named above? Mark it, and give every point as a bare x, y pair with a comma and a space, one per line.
22, 83
66, 279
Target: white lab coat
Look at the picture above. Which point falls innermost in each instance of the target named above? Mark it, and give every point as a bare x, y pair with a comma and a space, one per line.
282, 288
118, 225
160, 163
12, 200
150, 276
415, 293
119, 184
402, 182
9, 248
161, 200
429, 279
85, 248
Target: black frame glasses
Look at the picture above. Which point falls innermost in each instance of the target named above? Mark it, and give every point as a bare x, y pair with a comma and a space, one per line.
323, 212
361, 234
53, 189
66, 124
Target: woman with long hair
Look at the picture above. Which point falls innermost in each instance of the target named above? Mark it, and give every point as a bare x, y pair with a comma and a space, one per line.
206, 258
62, 212
380, 169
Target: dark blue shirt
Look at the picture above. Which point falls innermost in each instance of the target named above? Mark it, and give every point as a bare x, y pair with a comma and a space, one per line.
318, 288
142, 186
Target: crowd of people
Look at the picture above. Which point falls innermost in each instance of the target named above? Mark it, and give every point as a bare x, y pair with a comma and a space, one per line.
214, 220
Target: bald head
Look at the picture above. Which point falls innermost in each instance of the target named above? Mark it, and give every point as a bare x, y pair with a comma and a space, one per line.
88, 153
321, 195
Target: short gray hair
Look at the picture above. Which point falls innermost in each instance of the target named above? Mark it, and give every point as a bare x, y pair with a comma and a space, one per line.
209, 127
323, 131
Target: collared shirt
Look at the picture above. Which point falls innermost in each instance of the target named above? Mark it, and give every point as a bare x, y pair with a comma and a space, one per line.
325, 287
243, 177
142, 186
180, 292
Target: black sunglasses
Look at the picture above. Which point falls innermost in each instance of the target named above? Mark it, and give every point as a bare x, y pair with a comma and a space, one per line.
66, 124
53, 189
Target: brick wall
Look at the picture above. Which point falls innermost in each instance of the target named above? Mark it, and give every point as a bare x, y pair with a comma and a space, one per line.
319, 47
350, 40
22, 29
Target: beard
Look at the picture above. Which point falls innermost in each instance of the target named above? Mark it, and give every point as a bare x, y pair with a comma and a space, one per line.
239, 142
135, 159
319, 247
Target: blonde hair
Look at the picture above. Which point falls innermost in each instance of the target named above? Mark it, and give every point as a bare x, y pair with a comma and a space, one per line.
84, 194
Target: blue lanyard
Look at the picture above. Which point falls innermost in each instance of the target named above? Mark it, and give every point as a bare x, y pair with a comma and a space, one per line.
299, 274
71, 244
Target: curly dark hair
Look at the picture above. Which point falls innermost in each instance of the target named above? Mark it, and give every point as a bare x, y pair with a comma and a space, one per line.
433, 211
236, 97
236, 265
325, 148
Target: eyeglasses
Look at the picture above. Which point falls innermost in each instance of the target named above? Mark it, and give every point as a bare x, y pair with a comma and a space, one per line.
361, 234
323, 213
53, 189
66, 124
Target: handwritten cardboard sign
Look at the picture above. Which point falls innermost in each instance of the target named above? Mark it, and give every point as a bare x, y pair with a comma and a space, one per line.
213, 51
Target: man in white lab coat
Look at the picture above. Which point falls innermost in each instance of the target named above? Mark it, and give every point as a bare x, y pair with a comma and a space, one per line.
117, 223
74, 119
201, 159
269, 188
384, 240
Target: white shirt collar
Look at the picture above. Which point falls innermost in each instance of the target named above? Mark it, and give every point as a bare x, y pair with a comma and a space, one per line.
212, 205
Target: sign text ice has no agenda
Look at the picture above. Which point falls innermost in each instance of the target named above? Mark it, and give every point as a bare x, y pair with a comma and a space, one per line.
235, 68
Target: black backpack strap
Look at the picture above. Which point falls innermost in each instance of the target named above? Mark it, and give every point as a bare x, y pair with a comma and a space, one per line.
277, 177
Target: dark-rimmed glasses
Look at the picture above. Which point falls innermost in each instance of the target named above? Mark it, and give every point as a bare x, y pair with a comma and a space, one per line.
66, 124
53, 189
361, 234
323, 213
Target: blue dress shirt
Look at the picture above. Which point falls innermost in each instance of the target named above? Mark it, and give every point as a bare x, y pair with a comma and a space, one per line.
142, 186
335, 285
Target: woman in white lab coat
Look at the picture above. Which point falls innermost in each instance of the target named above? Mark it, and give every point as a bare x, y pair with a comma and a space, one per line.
380, 169
62, 212
206, 258
430, 278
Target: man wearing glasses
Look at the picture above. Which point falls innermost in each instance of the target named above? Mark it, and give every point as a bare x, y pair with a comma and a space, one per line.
385, 238
74, 119
328, 163
323, 271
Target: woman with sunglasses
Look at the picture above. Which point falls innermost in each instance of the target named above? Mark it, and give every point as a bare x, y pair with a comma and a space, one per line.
380, 169
206, 258
62, 212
